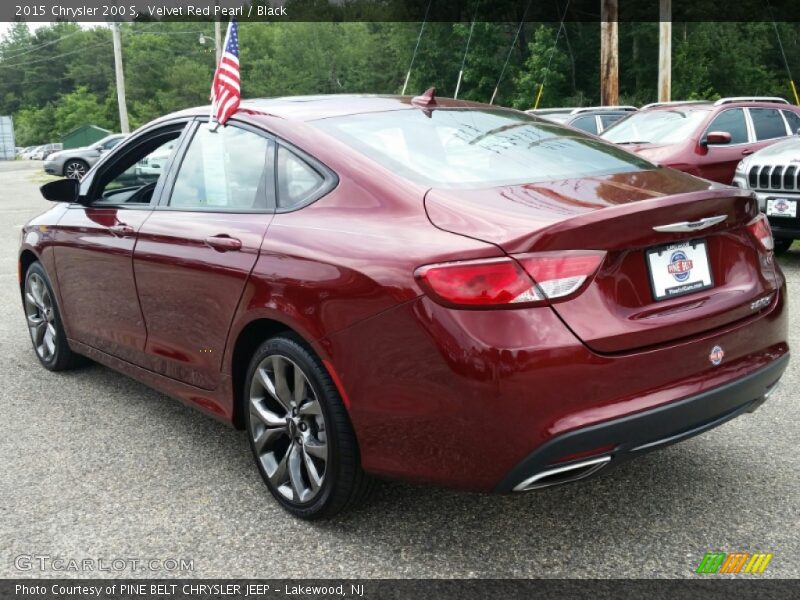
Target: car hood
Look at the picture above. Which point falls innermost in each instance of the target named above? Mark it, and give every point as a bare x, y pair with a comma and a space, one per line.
657, 153
509, 215
786, 151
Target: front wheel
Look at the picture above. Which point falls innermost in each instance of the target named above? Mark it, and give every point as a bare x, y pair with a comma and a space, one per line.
782, 245
300, 433
44, 323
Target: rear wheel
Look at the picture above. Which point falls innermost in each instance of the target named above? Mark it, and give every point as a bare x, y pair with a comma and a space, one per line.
299, 432
782, 245
44, 323
75, 169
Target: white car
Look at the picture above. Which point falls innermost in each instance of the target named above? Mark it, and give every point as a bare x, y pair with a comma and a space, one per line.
774, 175
44, 151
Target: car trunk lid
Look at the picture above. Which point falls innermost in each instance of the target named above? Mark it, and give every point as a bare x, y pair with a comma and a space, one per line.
618, 310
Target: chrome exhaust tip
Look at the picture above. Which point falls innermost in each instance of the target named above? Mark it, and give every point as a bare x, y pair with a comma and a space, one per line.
565, 474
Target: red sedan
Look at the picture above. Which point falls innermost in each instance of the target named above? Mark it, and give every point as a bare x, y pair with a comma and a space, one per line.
424, 289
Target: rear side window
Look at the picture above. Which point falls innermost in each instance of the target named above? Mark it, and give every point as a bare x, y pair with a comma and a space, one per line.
609, 120
731, 121
793, 120
298, 181
586, 124
229, 168
768, 123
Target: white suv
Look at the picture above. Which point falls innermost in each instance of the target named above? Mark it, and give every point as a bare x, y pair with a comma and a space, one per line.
774, 175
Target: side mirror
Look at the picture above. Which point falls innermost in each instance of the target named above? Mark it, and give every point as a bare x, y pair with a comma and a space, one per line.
717, 137
61, 190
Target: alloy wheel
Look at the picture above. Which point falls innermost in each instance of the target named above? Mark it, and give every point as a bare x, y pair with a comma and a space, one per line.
75, 170
41, 317
288, 429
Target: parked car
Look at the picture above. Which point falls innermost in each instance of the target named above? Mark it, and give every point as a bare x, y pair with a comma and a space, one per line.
153, 164
26, 152
707, 139
425, 289
592, 119
42, 152
75, 162
774, 175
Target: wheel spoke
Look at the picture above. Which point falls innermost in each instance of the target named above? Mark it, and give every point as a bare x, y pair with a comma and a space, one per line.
267, 437
50, 343
279, 475
314, 477
316, 448
37, 332
299, 386
266, 416
31, 299
310, 408
282, 393
295, 476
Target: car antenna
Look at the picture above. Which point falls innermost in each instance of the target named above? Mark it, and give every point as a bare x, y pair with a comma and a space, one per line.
426, 101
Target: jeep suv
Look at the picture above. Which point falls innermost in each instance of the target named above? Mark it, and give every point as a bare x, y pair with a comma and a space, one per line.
707, 139
774, 175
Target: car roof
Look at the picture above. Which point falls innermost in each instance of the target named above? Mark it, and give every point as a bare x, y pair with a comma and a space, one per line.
719, 104
311, 108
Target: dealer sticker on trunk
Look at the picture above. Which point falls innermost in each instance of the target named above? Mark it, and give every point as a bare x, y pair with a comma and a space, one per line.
679, 269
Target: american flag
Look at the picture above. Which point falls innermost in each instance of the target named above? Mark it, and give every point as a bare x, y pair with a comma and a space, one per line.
225, 91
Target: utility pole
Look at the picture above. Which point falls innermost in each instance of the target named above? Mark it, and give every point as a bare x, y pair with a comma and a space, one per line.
217, 39
665, 51
217, 36
609, 53
123, 108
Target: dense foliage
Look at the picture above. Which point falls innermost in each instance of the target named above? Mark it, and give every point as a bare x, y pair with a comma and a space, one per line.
62, 76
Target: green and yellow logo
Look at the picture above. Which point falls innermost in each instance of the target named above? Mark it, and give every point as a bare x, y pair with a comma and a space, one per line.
734, 562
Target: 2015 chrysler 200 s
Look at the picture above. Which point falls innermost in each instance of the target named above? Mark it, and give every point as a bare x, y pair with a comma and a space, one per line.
424, 289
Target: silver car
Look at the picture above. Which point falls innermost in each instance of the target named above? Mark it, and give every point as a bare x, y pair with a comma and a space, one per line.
774, 175
75, 162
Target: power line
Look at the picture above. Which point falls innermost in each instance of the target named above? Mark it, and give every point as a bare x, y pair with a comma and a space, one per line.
40, 46
50, 58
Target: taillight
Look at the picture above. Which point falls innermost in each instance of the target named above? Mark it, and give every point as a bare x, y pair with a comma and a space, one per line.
523, 280
478, 283
561, 274
760, 229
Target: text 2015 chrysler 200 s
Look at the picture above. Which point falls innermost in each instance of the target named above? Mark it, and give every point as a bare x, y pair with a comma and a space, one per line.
425, 289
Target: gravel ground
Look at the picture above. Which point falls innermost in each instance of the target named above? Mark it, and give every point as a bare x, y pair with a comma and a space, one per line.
95, 465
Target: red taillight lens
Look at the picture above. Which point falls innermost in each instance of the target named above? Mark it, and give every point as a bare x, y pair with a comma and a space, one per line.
761, 230
509, 282
478, 283
561, 274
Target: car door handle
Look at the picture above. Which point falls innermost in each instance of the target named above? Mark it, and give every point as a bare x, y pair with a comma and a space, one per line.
122, 230
746, 152
223, 242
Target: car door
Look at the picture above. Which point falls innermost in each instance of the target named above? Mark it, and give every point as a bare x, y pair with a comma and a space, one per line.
94, 250
718, 161
196, 251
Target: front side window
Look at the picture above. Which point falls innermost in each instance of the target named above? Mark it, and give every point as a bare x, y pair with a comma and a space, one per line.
112, 142
662, 126
132, 178
767, 123
477, 147
229, 168
731, 121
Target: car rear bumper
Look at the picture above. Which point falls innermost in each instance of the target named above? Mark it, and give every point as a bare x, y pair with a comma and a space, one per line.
632, 435
462, 398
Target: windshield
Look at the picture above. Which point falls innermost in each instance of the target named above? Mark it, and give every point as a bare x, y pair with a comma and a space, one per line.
478, 147
656, 127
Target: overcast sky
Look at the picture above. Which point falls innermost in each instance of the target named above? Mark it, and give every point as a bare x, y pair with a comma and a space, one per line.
5, 26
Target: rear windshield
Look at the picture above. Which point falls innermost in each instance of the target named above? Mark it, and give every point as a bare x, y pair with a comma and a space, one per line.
656, 127
477, 147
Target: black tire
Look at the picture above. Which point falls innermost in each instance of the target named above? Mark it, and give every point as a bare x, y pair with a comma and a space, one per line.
782, 245
344, 483
61, 357
75, 169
